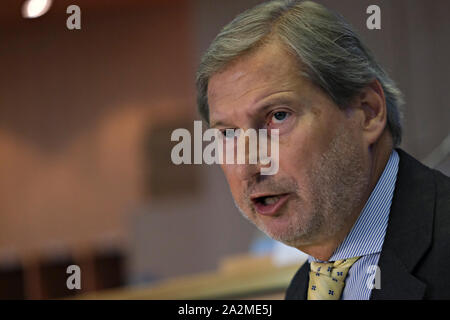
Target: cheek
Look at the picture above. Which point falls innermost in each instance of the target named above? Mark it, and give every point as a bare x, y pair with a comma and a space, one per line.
294, 163
295, 150
299, 153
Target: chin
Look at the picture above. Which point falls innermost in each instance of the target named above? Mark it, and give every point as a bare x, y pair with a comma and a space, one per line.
292, 230
279, 229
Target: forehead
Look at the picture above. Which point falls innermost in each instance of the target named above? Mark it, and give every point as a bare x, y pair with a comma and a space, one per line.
265, 71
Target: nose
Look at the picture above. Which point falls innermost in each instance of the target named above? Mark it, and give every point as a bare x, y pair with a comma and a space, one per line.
247, 161
247, 171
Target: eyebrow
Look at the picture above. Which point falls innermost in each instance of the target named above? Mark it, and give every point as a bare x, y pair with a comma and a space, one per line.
217, 123
260, 108
271, 102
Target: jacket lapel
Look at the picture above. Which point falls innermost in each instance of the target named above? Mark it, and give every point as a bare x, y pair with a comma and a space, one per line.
409, 231
396, 281
298, 290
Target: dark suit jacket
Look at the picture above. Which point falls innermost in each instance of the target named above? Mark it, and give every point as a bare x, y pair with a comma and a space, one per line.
415, 259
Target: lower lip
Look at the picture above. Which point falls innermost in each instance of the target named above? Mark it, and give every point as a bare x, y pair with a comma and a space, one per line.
271, 209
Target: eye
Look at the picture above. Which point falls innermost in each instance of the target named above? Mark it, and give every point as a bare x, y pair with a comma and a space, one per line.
280, 116
228, 133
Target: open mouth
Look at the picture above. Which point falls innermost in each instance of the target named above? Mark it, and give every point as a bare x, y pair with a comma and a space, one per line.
269, 204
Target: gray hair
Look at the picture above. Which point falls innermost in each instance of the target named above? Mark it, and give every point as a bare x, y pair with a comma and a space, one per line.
333, 55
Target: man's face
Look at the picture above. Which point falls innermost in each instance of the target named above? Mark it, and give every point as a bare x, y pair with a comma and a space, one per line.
322, 164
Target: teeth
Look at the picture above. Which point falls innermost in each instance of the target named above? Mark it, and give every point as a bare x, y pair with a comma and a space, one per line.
271, 200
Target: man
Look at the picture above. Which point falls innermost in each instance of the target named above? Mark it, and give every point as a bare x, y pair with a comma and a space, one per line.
362, 209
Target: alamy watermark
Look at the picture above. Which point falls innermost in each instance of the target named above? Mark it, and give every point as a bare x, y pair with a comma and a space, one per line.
74, 280
373, 22
374, 279
228, 146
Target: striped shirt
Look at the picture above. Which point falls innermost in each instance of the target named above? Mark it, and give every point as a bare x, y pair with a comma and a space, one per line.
366, 237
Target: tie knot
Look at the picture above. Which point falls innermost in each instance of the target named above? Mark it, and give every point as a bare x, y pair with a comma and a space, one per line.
337, 270
327, 279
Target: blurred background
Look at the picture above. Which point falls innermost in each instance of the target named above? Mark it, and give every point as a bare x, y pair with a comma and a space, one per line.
85, 123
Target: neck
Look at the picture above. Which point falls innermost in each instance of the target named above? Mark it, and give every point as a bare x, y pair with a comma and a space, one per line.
378, 156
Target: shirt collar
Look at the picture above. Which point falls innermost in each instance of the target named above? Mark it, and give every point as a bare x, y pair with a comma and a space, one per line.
367, 234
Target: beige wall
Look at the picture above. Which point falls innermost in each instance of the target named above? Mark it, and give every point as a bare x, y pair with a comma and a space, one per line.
75, 106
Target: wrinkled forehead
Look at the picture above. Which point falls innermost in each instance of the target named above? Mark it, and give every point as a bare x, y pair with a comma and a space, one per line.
248, 78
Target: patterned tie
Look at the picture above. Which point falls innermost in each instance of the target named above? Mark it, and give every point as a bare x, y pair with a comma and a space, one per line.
327, 280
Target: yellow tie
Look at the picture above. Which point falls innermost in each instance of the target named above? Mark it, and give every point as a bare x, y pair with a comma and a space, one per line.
327, 280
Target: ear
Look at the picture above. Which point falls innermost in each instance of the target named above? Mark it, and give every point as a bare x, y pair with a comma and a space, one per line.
371, 101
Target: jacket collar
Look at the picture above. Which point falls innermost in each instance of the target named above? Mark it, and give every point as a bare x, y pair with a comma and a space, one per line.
409, 231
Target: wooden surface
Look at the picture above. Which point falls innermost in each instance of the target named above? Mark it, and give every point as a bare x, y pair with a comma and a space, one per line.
242, 277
